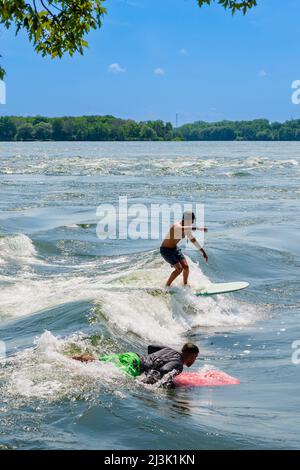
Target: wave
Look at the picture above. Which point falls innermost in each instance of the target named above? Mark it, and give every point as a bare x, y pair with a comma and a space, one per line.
238, 173
16, 247
132, 299
142, 166
46, 372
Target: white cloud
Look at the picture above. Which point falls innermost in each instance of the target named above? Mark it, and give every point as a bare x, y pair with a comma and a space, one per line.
183, 51
159, 71
116, 68
262, 73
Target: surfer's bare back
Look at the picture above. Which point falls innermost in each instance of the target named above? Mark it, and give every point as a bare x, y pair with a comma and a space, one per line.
170, 251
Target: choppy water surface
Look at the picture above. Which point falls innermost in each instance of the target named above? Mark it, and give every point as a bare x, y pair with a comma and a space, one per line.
64, 291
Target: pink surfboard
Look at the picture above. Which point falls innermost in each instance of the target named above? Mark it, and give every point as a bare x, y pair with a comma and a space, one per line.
210, 378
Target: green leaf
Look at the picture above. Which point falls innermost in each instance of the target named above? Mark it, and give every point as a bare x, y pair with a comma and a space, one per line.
232, 5
2, 73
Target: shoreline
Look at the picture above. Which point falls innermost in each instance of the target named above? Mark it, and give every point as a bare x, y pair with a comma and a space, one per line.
111, 129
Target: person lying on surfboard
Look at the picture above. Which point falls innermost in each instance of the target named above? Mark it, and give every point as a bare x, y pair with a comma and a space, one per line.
161, 364
170, 251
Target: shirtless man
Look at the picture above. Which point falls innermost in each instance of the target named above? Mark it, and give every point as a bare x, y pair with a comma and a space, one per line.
170, 251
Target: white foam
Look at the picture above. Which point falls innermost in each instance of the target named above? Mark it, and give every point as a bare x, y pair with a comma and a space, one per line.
146, 159
170, 313
147, 316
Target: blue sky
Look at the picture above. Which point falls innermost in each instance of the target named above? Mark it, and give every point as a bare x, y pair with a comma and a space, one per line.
155, 58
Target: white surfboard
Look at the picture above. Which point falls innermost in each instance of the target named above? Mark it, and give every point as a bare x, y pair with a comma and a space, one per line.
222, 288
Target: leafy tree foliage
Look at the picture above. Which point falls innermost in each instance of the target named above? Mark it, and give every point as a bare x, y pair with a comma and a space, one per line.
91, 128
258, 129
232, 5
54, 27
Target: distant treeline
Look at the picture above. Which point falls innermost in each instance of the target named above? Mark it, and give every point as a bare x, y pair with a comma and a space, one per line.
258, 129
103, 128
